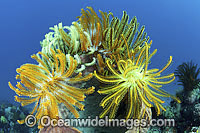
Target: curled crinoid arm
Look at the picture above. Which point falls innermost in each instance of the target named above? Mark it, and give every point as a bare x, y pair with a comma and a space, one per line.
72, 40
49, 83
132, 77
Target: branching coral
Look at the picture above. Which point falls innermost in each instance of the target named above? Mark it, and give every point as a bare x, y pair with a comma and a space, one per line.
49, 84
133, 78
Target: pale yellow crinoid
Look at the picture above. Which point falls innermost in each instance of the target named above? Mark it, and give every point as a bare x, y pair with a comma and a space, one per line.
49, 84
130, 76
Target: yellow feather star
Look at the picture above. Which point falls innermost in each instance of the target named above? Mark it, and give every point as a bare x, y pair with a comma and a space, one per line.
131, 77
49, 83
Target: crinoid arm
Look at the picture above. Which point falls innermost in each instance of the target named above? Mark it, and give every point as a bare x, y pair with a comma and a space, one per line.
49, 83
131, 77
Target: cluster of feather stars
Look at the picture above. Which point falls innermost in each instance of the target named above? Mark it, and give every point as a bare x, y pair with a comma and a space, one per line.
119, 53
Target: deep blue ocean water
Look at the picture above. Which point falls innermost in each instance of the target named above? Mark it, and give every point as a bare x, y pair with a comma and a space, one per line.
173, 25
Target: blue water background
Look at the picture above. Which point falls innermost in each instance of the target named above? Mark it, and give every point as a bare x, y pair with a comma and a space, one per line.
173, 25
